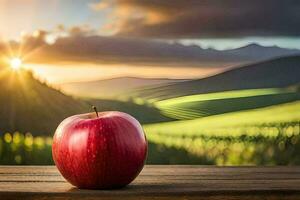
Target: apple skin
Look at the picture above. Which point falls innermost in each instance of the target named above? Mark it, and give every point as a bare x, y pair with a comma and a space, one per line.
103, 152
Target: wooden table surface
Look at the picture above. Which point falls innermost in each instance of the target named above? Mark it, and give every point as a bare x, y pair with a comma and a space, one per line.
159, 182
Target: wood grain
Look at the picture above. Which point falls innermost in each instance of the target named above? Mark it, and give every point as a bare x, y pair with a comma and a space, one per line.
159, 182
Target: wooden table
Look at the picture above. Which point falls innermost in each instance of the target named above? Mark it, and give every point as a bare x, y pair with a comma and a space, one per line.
159, 182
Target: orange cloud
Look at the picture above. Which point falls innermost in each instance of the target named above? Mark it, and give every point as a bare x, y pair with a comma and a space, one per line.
203, 18
99, 6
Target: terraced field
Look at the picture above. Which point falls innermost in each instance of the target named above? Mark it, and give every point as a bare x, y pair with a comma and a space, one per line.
202, 105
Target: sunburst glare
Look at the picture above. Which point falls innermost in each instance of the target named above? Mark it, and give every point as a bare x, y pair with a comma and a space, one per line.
15, 63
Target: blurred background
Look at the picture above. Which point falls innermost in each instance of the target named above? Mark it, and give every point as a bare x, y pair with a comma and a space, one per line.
212, 82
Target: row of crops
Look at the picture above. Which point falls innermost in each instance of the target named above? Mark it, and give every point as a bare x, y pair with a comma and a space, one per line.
266, 144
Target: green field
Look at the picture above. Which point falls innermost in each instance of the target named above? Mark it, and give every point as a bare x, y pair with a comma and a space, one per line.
289, 112
259, 136
25, 149
265, 136
202, 105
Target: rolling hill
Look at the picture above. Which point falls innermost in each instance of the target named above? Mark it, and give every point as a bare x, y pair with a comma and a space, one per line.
225, 123
28, 105
112, 88
144, 113
202, 105
276, 73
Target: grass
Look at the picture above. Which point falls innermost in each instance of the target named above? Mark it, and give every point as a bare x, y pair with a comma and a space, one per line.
202, 105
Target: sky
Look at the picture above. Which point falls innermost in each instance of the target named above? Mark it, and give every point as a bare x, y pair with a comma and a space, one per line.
19, 16
108, 36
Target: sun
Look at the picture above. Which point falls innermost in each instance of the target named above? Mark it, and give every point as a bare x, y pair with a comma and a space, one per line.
15, 63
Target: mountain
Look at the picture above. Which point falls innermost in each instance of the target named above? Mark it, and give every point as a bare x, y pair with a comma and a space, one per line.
257, 52
280, 72
144, 52
111, 88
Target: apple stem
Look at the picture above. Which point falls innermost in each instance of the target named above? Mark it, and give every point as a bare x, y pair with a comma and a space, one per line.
95, 109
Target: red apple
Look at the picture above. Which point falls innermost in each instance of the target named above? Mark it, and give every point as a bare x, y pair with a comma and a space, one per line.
102, 151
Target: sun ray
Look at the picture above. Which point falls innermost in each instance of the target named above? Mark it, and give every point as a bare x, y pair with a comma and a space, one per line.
20, 48
13, 55
28, 54
8, 51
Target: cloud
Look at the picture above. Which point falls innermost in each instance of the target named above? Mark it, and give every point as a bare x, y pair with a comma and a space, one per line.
203, 18
99, 6
81, 44
125, 50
